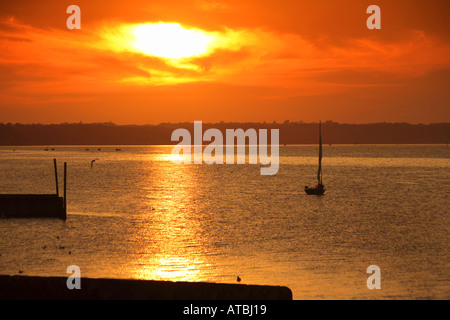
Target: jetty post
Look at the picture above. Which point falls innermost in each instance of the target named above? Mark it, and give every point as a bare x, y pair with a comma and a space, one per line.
56, 177
65, 179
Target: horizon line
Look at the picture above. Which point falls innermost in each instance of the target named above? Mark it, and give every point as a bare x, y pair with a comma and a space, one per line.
220, 122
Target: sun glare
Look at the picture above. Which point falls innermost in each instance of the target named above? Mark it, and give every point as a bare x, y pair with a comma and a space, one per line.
170, 40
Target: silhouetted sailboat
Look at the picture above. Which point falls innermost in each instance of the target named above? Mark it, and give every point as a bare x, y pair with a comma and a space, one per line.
319, 189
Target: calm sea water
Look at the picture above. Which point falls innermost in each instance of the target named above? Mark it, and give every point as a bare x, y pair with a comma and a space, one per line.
135, 214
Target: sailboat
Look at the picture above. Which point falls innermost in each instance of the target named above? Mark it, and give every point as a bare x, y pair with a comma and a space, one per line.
319, 189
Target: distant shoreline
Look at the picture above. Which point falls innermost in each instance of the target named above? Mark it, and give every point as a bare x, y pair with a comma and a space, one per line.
291, 133
204, 145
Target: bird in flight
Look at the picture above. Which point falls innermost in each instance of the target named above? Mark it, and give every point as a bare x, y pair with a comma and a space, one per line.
92, 162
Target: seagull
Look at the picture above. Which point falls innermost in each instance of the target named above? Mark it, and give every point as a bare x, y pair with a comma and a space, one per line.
44, 247
92, 162
238, 279
20, 271
61, 247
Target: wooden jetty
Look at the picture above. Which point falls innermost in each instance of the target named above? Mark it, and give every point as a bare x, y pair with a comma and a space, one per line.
35, 205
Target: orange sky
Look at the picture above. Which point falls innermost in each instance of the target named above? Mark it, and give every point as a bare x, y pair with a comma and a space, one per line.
267, 61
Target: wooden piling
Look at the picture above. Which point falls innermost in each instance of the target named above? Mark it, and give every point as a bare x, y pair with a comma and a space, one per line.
65, 179
56, 177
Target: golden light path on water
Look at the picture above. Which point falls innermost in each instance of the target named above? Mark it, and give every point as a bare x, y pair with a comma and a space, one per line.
178, 234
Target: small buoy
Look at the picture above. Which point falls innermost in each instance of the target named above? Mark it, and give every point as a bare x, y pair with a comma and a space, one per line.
44, 247
20, 271
238, 279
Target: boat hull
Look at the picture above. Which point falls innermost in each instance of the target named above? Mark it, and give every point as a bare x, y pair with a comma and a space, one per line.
316, 191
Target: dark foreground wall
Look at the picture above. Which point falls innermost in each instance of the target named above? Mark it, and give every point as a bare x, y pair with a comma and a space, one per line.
32, 206
49, 288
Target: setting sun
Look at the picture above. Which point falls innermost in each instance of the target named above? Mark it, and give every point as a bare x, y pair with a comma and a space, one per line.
170, 40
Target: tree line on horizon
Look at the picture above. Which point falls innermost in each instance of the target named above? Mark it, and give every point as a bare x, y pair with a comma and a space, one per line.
290, 133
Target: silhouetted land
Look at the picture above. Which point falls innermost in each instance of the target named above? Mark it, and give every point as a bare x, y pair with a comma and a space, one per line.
290, 133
